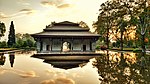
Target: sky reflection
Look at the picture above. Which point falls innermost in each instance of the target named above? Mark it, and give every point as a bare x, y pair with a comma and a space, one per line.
28, 70
123, 67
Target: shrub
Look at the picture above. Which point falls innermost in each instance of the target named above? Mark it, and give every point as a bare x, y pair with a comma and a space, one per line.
137, 50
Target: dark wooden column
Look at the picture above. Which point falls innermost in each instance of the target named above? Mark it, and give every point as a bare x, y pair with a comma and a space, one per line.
61, 44
90, 45
72, 44
51, 44
81, 44
41, 45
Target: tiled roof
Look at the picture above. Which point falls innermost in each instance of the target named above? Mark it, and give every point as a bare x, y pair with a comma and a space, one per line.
65, 29
66, 33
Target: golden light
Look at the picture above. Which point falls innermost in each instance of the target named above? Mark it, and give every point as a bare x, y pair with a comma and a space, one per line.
146, 40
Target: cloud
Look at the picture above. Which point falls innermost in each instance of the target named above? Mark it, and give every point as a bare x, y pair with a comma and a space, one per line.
2, 15
23, 2
55, 3
2, 71
20, 13
28, 74
60, 80
47, 3
63, 6
27, 11
23, 74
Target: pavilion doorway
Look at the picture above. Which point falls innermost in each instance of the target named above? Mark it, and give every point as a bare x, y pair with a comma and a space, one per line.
47, 47
66, 46
84, 47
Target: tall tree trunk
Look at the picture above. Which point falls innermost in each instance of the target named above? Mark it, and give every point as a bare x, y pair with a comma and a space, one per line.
143, 45
121, 39
107, 38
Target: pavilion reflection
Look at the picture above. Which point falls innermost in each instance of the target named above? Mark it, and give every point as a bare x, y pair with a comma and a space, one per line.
123, 67
2, 59
66, 64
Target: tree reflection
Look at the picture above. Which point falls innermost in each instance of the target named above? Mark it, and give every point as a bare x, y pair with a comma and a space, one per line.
2, 59
123, 68
11, 58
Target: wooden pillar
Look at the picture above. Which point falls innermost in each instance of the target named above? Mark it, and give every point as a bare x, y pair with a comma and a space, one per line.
72, 44
38, 44
51, 44
41, 45
61, 44
81, 44
90, 45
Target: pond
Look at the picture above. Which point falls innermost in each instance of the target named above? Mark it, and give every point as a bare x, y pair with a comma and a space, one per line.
113, 67
123, 67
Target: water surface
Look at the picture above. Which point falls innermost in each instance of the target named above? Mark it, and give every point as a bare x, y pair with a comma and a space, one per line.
111, 68
123, 67
23, 69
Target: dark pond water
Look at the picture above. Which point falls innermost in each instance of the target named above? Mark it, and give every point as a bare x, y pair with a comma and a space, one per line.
112, 68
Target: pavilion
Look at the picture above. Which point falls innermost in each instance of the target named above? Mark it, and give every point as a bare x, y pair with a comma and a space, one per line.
65, 37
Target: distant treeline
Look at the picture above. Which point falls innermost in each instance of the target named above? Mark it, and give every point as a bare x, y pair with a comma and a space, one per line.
22, 41
16, 40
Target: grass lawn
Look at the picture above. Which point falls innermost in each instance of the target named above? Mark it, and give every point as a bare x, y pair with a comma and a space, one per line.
125, 49
7, 49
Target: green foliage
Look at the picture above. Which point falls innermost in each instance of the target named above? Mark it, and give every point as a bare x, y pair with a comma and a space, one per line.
11, 36
3, 44
19, 43
129, 43
24, 41
97, 47
137, 50
2, 29
118, 17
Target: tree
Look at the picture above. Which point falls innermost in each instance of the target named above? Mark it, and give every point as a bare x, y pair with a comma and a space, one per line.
3, 44
112, 18
142, 21
24, 40
123, 14
11, 37
83, 24
122, 26
104, 22
2, 29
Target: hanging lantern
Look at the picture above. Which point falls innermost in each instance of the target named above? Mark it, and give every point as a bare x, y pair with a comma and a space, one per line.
146, 40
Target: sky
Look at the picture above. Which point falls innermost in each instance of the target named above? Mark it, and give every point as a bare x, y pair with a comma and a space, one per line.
31, 16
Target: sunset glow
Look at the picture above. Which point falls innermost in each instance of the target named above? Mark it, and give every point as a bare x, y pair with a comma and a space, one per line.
31, 16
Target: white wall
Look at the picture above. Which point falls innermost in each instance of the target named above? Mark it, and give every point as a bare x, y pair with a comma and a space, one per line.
87, 43
93, 45
38, 45
77, 45
45, 43
56, 45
